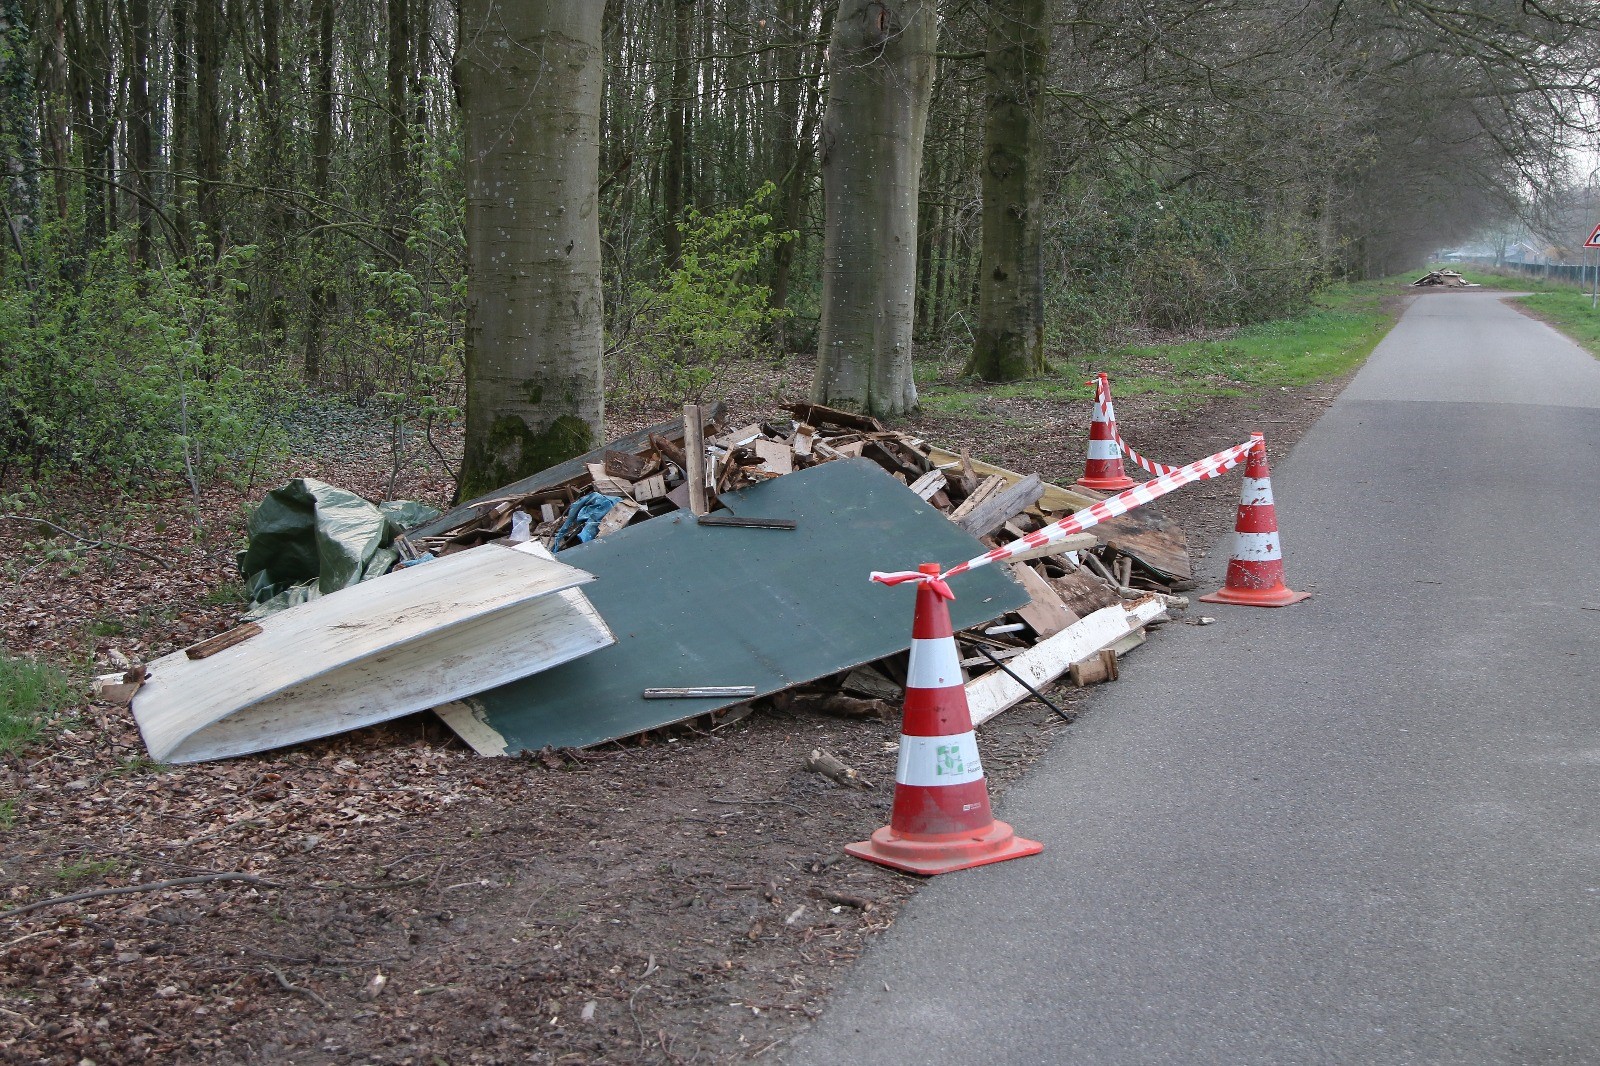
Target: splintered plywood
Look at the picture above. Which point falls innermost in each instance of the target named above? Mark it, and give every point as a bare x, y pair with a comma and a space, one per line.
709, 605
376, 651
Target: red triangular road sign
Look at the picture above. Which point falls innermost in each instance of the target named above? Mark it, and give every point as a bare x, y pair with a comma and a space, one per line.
1594, 239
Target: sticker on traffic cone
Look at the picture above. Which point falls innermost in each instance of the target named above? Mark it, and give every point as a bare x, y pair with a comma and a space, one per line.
1104, 471
941, 820
1255, 571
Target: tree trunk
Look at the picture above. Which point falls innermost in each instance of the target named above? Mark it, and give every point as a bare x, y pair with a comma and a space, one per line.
677, 115
140, 154
17, 111
58, 93
398, 17
91, 97
531, 84
796, 156
321, 161
179, 161
209, 39
880, 80
1009, 341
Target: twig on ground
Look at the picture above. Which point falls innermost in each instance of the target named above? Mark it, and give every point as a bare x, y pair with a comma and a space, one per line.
86, 540
289, 986
152, 886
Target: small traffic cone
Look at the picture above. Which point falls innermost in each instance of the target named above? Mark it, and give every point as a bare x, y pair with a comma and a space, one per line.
941, 820
1103, 471
1255, 570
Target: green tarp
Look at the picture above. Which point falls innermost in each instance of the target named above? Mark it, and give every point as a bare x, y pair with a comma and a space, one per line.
698, 605
309, 538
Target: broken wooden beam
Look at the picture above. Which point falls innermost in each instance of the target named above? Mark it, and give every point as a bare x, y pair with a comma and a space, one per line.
222, 641
929, 484
992, 513
818, 415
988, 487
694, 454
1101, 666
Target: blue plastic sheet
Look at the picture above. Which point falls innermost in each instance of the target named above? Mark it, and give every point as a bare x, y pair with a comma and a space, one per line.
584, 515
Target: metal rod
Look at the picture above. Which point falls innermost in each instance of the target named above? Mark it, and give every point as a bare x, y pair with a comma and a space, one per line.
1040, 696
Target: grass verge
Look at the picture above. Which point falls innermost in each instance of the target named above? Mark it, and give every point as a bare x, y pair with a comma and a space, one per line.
1570, 311
1335, 335
32, 694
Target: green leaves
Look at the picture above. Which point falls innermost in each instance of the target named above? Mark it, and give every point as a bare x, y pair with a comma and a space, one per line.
125, 372
673, 334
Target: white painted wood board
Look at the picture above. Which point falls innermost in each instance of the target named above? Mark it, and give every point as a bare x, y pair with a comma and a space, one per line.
1047, 660
378, 650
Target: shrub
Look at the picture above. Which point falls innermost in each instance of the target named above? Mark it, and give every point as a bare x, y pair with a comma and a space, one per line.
125, 372
670, 337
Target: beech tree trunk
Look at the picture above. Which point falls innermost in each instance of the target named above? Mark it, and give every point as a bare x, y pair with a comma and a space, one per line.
530, 75
880, 80
677, 116
136, 16
209, 41
1009, 341
321, 163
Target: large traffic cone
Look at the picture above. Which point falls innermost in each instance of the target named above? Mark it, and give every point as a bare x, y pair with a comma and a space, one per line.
941, 820
1255, 570
1103, 471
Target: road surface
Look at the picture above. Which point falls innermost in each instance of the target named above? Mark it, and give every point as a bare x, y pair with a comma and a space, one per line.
1363, 829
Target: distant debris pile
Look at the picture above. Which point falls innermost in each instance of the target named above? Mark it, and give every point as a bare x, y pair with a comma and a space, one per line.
1446, 278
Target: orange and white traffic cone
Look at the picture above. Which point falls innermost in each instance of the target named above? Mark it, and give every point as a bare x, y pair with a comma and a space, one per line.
1255, 570
1103, 472
941, 820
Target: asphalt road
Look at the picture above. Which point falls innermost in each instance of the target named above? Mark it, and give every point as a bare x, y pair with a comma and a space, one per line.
1362, 829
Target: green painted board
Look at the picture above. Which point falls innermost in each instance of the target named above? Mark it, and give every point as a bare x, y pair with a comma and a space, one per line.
712, 605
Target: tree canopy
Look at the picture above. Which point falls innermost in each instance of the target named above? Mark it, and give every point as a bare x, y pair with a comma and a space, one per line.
210, 205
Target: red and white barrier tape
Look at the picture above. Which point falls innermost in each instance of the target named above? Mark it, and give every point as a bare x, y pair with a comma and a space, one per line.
895, 577
1199, 470
1102, 398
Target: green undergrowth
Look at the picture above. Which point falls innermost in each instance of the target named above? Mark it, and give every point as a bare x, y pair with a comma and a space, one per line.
32, 696
1333, 337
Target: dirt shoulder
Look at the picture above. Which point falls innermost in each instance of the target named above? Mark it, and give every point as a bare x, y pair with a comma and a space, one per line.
681, 897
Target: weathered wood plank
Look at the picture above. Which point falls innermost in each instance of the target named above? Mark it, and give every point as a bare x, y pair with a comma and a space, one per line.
1045, 613
779, 458
992, 513
694, 455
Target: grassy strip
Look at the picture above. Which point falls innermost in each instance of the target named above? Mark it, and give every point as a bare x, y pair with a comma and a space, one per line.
1334, 336
1570, 311
31, 695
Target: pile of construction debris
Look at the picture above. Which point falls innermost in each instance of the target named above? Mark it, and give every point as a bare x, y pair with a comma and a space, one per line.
656, 473
1448, 279
719, 566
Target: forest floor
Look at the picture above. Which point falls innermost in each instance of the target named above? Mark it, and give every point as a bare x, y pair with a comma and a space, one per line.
681, 897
